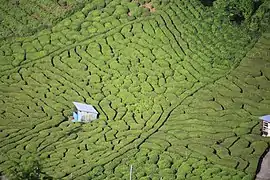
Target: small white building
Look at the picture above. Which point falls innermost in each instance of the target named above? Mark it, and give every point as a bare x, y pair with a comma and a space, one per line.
84, 112
265, 125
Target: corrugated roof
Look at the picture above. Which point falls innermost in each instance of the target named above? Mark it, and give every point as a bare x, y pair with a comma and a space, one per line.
85, 107
265, 118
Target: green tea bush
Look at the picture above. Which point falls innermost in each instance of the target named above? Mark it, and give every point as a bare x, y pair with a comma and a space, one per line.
127, 97
164, 163
198, 171
201, 149
252, 166
245, 7
153, 156
221, 151
150, 169
167, 173
259, 147
105, 104
122, 89
242, 163
17, 48
229, 162
95, 172
183, 170
210, 171
30, 169
141, 159
111, 135
150, 145
146, 87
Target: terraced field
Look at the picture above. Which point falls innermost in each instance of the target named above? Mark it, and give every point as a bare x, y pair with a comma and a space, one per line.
24, 17
179, 93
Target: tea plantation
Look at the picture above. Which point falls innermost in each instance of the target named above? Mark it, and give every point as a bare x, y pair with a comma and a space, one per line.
25, 17
179, 86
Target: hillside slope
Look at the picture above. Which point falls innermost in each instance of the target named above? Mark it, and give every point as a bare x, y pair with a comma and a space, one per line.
179, 93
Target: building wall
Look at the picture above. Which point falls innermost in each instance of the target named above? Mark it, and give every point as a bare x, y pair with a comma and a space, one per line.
266, 128
86, 116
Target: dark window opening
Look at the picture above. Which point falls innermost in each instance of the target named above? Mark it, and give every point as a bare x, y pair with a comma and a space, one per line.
207, 2
265, 133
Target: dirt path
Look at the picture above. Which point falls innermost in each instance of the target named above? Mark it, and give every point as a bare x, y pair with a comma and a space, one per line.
264, 167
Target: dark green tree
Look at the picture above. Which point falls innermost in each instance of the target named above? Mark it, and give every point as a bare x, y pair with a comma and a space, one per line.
28, 170
237, 11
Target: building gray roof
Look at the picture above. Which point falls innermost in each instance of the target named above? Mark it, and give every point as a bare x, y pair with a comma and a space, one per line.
85, 107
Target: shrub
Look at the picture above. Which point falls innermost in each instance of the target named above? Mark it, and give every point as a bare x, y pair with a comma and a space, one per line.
183, 170
167, 173
148, 28
210, 171
151, 146
259, 147
127, 97
221, 151
111, 135
120, 126
150, 169
120, 10
105, 104
164, 163
236, 11
229, 141
153, 156
146, 87
30, 169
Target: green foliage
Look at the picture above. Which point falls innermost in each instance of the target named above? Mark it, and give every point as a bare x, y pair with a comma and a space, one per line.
245, 8
152, 79
153, 156
201, 149
30, 169
127, 97
259, 147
